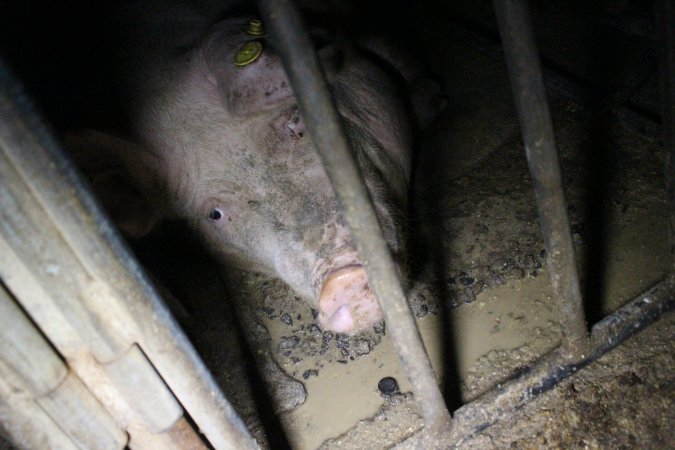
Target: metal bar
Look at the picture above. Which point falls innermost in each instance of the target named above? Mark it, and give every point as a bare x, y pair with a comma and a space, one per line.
28, 425
55, 270
69, 308
144, 392
327, 132
665, 21
180, 436
555, 367
26, 351
32, 370
32, 151
527, 84
82, 417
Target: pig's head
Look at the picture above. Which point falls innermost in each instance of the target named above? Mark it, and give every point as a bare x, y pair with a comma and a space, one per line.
225, 147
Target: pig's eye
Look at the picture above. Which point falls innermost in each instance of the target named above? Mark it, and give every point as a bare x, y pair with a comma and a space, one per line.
215, 214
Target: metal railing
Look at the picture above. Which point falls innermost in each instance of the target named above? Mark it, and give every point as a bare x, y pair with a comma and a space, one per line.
79, 316
578, 347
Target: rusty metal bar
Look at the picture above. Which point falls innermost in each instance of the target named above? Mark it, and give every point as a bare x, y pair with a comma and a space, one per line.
180, 436
112, 283
553, 368
527, 84
665, 22
303, 70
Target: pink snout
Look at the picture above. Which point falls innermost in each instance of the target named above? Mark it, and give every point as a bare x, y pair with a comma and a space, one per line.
346, 303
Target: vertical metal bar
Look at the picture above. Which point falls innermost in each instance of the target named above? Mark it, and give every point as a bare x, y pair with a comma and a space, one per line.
665, 22
527, 83
326, 128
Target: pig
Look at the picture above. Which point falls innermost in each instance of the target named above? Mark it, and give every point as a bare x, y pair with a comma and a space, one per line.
223, 145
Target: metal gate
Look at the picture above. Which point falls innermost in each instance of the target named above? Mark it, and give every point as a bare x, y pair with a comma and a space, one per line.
90, 356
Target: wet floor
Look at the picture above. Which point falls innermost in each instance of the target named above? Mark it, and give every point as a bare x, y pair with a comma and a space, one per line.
517, 321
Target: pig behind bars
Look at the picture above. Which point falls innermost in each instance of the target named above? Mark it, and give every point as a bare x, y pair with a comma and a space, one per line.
216, 138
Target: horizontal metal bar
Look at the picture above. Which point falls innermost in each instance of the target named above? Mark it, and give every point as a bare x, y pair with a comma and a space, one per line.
327, 132
26, 142
527, 84
553, 368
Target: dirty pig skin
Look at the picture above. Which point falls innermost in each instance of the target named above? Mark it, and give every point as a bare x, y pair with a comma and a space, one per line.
217, 139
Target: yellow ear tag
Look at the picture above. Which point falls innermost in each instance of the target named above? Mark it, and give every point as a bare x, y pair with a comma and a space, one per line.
248, 53
255, 28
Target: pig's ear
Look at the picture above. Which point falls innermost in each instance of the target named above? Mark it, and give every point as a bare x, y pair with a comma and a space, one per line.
124, 176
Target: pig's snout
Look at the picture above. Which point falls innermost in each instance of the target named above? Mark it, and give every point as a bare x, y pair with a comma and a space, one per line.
346, 303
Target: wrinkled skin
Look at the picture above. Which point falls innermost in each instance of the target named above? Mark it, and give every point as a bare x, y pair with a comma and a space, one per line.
226, 148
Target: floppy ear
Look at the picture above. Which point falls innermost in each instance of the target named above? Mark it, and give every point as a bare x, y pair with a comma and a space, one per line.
125, 177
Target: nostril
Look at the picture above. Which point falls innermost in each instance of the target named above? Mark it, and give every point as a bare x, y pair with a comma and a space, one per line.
296, 124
